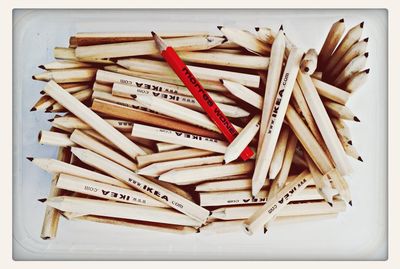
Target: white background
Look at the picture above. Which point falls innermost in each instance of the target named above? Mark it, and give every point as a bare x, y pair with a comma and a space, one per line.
359, 233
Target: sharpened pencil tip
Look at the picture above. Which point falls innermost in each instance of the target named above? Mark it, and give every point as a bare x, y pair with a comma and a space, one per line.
360, 159
362, 25
41, 66
350, 142
265, 230
29, 158
50, 120
221, 80
33, 109
306, 69
366, 54
281, 28
225, 39
42, 200
356, 119
134, 96
48, 110
42, 92
209, 214
198, 230
367, 71
351, 203
329, 203
219, 27
341, 20
33, 77
366, 39
257, 29
153, 34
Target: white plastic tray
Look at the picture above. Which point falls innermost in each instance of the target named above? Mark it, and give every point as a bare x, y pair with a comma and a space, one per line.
358, 234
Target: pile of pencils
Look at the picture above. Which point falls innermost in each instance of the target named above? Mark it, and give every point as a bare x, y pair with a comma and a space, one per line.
255, 135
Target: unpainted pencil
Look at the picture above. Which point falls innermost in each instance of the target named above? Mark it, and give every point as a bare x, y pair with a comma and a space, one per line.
63, 65
356, 81
81, 96
279, 153
237, 184
128, 102
69, 54
167, 146
54, 139
355, 66
331, 92
68, 75
244, 93
309, 63
340, 111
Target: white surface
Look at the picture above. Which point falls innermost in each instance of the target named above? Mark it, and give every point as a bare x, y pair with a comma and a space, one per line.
358, 234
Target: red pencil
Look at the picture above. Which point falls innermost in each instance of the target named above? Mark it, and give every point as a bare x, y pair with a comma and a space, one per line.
199, 93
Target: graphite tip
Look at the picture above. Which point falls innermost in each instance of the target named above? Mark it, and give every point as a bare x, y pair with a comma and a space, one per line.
351, 203
350, 142
329, 203
42, 92
341, 20
306, 69
29, 158
362, 25
50, 120
41, 66
360, 159
134, 96
265, 230
356, 119
33, 109
366, 54
367, 71
366, 39
281, 28
219, 27
42, 200
257, 29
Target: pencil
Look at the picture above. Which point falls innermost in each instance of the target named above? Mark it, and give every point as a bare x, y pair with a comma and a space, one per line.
179, 138
106, 191
230, 198
201, 73
167, 146
189, 102
357, 49
292, 209
340, 111
54, 139
309, 63
91, 143
244, 138
192, 175
142, 184
272, 84
69, 54
119, 210
156, 169
72, 122
349, 148
308, 141
67, 75
275, 122
340, 184
356, 81
60, 167
244, 93
237, 184
352, 36
91, 118
63, 65
342, 129
322, 182
72, 87
135, 115
355, 65
279, 153
275, 205
331, 92
145, 160
287, 161
51, 216
265, 34
126, 49
96, 38
142, 225
330, 43
81, 96
324, 124
245, 39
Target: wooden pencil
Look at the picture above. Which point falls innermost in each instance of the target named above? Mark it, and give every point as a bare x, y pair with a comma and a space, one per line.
145, 160
281, 102
135, 115
279, 153
91, 143
356, 81
126, 49
128, 102
340, 184
156, 169
340, 111
357, 49
68, 75
244, 138
144, 185
352, 36
119, 210
244, 93
192, 175
245, 39
324, 124
265, 34
342, 129
91, 118
106, 191
54, 139
331, 92
308, 141
330, 43
167, 146
57, 167
63, 65
52, 216
274, 206
355, 65
81, 96
287, 161
237, 184
69, 54
201, 73
309, 63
